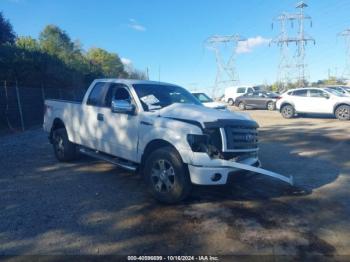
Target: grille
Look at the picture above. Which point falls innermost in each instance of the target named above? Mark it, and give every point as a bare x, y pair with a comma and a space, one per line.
241, 138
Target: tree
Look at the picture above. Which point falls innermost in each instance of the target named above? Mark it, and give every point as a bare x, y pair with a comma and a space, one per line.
7, 35
109, 64
27, 43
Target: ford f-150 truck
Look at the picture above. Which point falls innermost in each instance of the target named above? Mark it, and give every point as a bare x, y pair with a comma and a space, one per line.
158, 129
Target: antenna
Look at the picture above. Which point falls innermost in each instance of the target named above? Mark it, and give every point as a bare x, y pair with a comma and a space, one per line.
226, 72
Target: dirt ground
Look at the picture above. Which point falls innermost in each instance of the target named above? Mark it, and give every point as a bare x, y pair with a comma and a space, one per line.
91, 207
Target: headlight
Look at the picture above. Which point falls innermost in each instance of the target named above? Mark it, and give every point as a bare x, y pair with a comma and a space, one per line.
198, 143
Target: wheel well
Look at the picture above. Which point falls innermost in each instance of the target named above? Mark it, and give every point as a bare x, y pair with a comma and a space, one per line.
285, 104
336, 107
153, 145
57, 124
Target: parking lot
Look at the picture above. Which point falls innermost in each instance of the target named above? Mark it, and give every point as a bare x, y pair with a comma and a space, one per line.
91, 207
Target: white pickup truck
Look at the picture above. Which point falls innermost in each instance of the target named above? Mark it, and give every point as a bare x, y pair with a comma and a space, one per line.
159, 129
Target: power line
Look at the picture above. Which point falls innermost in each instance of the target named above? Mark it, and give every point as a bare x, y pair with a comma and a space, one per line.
346, 35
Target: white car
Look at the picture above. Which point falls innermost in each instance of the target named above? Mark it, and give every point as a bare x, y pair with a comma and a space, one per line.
231, 93
314, 100
208, 102
160, 129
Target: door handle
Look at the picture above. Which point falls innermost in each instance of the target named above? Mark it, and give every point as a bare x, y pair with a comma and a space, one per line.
100, 117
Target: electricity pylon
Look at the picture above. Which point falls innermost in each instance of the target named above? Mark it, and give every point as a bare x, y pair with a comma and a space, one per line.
288, 66
226, 74
346, 35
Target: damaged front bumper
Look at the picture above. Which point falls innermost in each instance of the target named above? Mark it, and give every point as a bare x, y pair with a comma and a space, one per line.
217, 171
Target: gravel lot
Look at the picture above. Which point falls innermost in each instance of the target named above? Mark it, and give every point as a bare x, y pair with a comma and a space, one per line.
91, 207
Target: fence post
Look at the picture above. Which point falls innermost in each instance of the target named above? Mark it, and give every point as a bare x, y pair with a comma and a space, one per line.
43, 93
19, 106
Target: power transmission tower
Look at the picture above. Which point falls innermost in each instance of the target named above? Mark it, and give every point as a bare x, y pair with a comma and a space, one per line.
286, 65
226, 72
346, 35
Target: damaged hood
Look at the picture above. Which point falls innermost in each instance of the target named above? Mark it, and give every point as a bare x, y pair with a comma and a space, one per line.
200, 114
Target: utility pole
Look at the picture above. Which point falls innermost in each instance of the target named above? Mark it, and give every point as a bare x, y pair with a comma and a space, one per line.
346, 35
226, 74
283, 40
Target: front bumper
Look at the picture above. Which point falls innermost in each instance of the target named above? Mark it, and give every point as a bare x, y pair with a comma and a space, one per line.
217, 171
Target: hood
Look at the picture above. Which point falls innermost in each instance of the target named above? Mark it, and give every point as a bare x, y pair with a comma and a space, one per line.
215, 105
200, 114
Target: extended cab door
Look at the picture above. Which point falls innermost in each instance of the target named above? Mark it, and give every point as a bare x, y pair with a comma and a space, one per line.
91, 122
120, 130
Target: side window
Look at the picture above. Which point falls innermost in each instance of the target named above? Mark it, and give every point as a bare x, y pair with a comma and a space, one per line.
250, 90
301, 92
241, 90
97, 94
118, 92
316, 93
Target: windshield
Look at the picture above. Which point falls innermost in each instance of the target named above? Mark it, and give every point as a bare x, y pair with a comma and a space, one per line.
153, 96
203, 97
334, 92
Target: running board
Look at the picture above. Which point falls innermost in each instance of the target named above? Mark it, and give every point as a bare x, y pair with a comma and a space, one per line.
113, 160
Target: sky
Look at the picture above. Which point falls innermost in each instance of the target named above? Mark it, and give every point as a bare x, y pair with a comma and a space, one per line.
168, 36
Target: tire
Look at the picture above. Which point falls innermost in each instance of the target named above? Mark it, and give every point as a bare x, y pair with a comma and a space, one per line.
64, 150
270, 106
231, 102
241, 106
166, 176
288, 111
343, 112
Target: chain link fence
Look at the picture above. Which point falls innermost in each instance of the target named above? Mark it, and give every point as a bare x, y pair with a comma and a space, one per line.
23, 107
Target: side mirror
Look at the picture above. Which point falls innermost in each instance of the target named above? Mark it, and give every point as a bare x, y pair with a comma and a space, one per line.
326, 96
123, 107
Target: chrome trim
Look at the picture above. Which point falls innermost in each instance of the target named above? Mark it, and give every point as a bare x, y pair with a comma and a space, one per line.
224, 144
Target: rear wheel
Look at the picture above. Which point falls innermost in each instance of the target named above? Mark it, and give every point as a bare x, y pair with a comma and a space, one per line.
231, 102
271, 106
343, 112
64, 149
166, 175
241, 106
288, 111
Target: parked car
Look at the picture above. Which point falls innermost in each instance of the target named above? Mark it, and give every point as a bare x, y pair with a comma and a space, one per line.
314, 100
231, 93
257, 99
159, 129
208, 102
342, 89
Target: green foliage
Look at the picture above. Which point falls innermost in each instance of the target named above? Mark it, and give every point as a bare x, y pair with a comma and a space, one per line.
7, 35
55, 60
108, 63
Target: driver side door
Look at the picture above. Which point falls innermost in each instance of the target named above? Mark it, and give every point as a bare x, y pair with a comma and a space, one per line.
121, 129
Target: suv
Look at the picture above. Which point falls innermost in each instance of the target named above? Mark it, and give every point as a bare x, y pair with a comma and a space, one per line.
314, 100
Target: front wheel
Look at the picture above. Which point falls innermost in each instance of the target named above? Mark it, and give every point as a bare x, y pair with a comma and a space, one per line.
343, 113
166, 176
288, 111
64, 149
